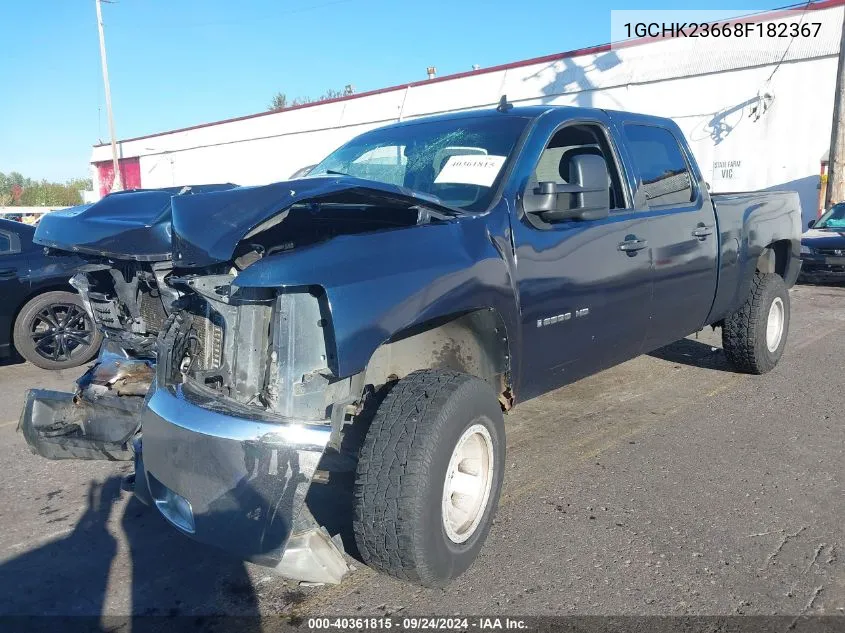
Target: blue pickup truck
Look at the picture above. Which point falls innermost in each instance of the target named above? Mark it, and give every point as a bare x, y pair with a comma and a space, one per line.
377, 318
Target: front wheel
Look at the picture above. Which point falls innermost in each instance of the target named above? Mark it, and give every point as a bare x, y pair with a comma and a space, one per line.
429, 477
754, 336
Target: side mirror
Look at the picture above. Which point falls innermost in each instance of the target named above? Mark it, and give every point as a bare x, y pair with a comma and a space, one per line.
585, 197
811, 224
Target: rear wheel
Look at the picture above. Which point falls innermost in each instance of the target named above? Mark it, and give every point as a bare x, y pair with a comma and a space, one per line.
53, 331
754, 336
429, 477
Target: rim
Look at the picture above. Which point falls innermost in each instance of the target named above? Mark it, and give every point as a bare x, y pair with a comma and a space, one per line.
774, 324
469, 478
61, 332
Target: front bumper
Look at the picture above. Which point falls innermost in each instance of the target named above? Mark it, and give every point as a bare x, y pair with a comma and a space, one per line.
235, 483
822, 266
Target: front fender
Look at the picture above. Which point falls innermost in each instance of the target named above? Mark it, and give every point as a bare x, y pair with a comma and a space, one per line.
378, 284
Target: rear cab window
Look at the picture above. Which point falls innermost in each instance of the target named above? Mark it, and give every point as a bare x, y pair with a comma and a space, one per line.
662, 171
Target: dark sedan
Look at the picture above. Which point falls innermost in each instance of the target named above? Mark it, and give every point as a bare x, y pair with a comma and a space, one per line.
823, 245
41, 316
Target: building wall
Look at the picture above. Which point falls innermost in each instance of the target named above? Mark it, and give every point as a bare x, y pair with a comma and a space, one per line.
709, 86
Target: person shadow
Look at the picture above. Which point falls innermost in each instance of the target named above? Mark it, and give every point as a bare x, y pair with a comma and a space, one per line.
73, 583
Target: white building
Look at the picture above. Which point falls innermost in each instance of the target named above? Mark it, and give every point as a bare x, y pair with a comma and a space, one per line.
756, 111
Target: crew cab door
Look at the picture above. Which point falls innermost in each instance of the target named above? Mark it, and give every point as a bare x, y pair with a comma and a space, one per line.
584, 284
681, 228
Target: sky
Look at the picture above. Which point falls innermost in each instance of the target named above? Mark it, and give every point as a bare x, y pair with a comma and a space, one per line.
176, 63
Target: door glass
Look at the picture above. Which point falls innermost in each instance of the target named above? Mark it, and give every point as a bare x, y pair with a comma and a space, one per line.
663, 172
572, 141
5, 244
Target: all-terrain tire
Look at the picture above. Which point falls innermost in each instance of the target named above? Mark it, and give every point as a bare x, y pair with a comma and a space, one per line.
744, 333
399, 500
66, 311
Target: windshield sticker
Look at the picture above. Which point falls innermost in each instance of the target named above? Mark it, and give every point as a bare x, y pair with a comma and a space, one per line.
471, 170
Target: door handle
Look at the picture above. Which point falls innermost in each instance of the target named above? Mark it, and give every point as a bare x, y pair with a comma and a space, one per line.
702, 231
8, 273
632, 245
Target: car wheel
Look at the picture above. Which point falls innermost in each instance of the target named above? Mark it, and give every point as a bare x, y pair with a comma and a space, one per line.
429, 477
754, 336
53, 331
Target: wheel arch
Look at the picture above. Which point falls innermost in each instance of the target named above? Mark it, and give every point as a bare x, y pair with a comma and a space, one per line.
776, 258
473, 342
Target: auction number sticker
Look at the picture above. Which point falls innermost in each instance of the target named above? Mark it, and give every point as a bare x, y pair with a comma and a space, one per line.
471, 169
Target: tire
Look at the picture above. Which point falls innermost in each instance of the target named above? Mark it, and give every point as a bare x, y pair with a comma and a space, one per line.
74, 341
399, 499
746, 337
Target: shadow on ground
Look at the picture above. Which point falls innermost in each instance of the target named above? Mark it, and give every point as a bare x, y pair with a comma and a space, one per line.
693, 353
170, 575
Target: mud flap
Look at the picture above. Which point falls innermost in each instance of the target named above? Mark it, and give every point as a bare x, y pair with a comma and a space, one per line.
58, 425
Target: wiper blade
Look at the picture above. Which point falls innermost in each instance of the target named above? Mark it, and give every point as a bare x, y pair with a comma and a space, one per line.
334, 172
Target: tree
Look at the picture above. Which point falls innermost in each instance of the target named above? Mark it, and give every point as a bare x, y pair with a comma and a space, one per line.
280, 100
16, 190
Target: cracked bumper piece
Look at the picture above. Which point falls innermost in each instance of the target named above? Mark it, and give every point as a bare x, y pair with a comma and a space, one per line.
239, 484
59, 425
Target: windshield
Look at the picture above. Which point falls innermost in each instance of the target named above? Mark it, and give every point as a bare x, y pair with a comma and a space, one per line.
834, 218
459, 160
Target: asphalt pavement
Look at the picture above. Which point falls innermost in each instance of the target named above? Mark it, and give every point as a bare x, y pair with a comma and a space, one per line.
667, 485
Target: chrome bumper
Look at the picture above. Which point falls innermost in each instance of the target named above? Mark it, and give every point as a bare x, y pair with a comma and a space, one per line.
236, 483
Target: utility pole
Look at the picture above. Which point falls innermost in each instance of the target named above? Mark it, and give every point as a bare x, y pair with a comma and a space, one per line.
116, 183
836, 160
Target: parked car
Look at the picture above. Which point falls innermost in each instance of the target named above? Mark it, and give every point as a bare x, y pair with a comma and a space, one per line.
823, 246
41, 316
430, 274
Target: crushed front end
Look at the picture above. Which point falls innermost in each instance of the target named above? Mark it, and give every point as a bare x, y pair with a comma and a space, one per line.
238, 421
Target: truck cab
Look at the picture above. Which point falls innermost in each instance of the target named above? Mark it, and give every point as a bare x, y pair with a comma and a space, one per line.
380, 316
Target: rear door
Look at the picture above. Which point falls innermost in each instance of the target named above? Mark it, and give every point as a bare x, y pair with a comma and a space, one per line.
681, 229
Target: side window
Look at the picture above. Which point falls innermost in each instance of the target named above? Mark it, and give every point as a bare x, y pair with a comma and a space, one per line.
663, 172
5, 243
575, 140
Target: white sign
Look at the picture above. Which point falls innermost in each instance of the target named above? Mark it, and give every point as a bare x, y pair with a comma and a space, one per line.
471, 170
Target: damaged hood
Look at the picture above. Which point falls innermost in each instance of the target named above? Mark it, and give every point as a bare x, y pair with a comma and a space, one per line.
208, 226
125, 225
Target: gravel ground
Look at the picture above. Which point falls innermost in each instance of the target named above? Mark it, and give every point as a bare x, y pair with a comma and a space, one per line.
667, 485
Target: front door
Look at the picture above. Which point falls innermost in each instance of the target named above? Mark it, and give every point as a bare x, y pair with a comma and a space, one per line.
584, 285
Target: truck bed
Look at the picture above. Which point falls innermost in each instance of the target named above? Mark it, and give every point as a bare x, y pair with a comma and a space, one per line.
776, 218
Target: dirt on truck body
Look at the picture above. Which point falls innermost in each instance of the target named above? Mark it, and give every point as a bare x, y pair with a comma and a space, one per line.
378, 317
